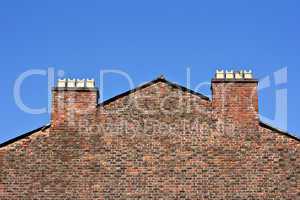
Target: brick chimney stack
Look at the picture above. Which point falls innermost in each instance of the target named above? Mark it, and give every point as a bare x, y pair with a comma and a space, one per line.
74, 103
235, 99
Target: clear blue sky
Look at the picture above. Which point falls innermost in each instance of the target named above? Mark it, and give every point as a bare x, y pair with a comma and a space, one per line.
145, 39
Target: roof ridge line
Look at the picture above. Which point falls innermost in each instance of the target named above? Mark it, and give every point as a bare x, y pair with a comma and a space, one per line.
160, 78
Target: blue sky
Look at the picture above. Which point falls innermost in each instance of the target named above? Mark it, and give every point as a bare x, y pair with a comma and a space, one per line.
145, 39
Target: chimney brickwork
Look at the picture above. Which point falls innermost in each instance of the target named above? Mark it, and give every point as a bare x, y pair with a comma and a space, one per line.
235, 99
74, 103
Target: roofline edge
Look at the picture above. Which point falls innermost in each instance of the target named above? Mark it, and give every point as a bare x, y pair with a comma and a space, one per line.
269, 126
20, 137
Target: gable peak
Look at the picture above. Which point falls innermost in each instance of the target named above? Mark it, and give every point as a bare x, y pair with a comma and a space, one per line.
161, 77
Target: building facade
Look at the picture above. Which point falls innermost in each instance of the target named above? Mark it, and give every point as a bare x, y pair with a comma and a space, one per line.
158, 141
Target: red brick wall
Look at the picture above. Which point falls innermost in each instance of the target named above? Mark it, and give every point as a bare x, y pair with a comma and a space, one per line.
157, 143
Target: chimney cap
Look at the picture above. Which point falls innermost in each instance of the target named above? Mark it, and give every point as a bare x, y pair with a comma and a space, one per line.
75, 83
231, 75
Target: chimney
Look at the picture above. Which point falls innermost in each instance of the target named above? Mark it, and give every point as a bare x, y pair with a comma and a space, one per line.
74, 103
235, 99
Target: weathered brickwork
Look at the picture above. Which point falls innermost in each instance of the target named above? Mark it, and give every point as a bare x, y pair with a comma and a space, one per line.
157, 142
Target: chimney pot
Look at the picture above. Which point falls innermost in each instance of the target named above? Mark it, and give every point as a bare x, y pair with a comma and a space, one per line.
248, 74
80, 83
71, 83
239, 75
61, 83
90, 83
229, 74
220, 74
